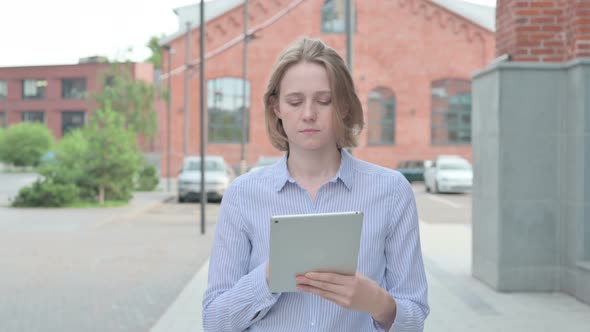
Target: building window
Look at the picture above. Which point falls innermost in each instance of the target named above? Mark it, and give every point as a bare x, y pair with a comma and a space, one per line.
225, 103
72, 120
3, 123
73, 88
381, 116
451, 112
3, 90
334, 16
34, 89
34, 116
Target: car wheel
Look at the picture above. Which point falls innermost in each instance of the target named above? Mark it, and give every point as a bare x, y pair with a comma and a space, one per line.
180, 199
427, 187
436, 187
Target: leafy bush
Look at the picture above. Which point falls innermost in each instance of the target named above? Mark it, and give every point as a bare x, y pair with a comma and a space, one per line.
47, 194
24, 144
147, 179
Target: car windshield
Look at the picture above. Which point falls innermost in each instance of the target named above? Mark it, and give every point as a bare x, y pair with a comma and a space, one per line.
210, 165
455, 166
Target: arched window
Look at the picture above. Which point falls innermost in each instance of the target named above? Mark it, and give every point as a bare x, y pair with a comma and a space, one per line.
451, 112
333, 16
225, 104
381, 116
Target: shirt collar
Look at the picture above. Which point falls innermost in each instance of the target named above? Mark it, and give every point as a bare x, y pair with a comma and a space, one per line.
345, 172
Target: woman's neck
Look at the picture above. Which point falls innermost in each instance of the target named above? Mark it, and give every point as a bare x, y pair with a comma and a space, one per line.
313, 167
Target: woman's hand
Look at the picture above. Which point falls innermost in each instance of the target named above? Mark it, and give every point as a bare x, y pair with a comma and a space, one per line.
353, 292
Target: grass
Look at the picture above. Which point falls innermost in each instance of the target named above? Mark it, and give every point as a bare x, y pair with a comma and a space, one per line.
107, 204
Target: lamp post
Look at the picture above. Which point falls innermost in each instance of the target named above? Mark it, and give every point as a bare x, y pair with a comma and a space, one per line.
202, 24
186, 89
244, 81
169, 51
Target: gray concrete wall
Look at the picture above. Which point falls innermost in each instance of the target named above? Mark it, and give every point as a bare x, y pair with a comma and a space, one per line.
531, 158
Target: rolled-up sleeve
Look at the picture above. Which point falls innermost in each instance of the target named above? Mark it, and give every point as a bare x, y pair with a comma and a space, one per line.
235, 297
405, 277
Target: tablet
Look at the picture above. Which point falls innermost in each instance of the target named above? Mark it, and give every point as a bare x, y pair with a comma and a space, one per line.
326, 242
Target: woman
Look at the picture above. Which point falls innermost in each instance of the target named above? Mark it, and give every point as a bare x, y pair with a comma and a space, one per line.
313, 113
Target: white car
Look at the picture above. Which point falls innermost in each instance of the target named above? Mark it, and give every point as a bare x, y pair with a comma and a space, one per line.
449, 174
218, 176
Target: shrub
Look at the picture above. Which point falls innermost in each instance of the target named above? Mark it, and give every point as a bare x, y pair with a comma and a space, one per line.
45, 193
147, 179
24, 144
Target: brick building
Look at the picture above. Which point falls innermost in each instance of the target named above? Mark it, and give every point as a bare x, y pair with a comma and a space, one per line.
55, 95
412, 65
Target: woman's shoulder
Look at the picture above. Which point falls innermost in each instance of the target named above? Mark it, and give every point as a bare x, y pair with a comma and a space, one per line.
252, 180
370, 169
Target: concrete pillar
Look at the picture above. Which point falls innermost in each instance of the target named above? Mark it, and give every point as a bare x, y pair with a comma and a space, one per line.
531, 151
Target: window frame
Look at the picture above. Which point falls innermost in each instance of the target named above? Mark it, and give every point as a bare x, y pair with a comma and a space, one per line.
24, 113
386, 97
81, 95
3, 119
441, 88
70, 112
4, 96
37, 96
325, 12
215, 128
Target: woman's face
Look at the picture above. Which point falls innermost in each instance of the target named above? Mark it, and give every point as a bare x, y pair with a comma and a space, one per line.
305, 107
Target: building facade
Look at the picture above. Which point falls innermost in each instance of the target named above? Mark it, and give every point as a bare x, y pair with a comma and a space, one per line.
412, 64
55, 95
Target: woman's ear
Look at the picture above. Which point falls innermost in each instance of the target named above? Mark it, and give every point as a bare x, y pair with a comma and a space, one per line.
275, 107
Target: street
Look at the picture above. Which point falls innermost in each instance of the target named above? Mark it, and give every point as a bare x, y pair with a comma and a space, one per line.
140, 269
93, 275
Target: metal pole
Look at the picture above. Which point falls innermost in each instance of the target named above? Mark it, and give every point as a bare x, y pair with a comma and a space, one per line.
349, 27
348, 23
244, 81
202, 102
186, 89
168, 103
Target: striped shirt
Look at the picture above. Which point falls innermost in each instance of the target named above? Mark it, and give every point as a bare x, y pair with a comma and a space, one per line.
237, 296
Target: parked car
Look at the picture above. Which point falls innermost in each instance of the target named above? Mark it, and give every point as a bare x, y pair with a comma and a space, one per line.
449, 174
263, 162
413, 170
218, 175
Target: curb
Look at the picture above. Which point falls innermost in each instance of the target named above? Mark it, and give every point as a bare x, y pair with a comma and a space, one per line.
185, 313
135, 212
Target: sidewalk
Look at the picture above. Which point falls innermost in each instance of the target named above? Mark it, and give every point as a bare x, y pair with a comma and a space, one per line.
458, 302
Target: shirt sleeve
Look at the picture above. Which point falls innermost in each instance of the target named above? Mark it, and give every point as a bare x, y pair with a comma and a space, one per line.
235, 297
404, 276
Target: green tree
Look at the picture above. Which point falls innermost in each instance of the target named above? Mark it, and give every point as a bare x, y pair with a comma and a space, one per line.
154, 45
25, 143
132, 99
112, 158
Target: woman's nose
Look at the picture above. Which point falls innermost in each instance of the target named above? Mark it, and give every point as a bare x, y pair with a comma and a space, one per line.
309, 112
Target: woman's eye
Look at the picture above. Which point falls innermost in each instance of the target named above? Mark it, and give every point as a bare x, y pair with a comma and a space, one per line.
325, 102
294, 103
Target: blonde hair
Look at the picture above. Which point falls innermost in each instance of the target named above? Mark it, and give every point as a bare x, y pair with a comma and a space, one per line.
348, 112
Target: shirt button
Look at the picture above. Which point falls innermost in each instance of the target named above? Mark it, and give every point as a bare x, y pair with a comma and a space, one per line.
312, 323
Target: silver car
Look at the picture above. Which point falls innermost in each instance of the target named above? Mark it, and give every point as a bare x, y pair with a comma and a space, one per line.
449, 174
218, 176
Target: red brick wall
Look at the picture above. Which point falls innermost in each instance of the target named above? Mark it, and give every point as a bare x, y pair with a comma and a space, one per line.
543, 30
53, 104
403, 45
